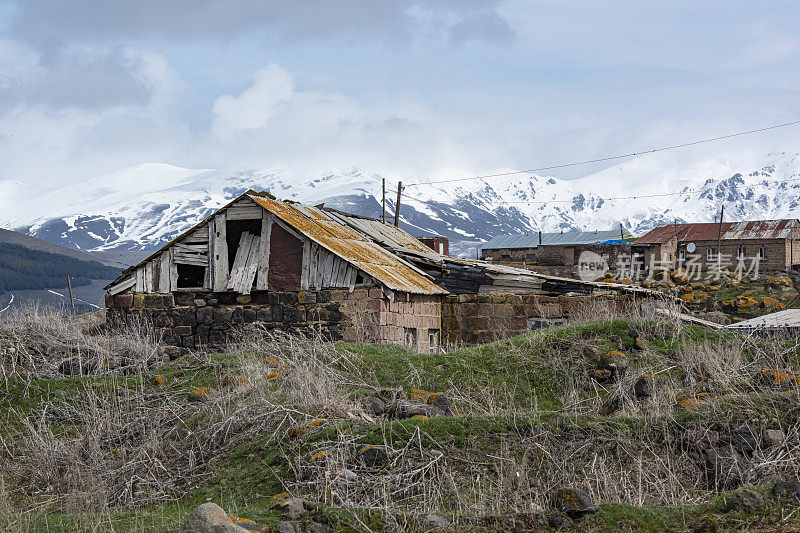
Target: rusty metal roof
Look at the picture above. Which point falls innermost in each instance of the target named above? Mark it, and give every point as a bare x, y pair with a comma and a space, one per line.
323, 228
710, 231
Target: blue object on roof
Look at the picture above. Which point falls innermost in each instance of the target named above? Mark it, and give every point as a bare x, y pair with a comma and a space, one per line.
613, 241
531, 240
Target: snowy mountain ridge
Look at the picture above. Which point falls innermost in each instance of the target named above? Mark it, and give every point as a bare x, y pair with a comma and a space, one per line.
143, 207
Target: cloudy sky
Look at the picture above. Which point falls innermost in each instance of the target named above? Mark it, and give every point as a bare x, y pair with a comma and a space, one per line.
423, 88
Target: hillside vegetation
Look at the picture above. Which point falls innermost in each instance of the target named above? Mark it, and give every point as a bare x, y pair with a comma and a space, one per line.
661, 425
22, 268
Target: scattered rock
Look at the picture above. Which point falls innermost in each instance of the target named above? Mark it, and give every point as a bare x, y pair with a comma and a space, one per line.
722, 464
158, 381
787, 491
616, 362
573, 502
405, 409
617, 341
701, 438
77, 366
558, 521
743, 440
443, 403
430, 522
373, 456
647, 385
373, 406
173, 352
317, 527
210, 518
284, 527
746, 500
291, 508
590, 352
200, 394
708, 525
773, 437
639, 344
602, 375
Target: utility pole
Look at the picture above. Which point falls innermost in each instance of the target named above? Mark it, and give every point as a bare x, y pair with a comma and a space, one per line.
621, 232
397, 204
71, 299
719, 239
383, 203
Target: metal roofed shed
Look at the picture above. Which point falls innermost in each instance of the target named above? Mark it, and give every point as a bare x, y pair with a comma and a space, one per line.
572, 237
782, 322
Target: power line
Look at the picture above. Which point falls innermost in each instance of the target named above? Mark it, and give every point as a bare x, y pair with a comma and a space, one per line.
634, 197
609, 158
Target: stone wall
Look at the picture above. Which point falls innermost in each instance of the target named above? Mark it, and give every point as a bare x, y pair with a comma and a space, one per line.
194, 319
479, 318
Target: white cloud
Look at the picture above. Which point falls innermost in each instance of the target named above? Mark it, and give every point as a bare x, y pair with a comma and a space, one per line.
272, 85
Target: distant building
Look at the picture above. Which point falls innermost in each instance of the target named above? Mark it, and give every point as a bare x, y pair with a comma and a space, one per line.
773, 244
555, 249
440, 245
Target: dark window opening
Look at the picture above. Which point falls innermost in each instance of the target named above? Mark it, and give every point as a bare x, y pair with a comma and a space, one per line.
505, 257
191, 276
233, 233
359, 279
530, 257
411, 337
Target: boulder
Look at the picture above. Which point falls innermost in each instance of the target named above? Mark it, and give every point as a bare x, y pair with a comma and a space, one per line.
773, 437
373, 456
647, 385
317, 527
746, 500
743, 440
615, 361
373, 405
723, 464
284, 527
443, 403
291, 508
787, 491
429, 522
210, 518
573, 502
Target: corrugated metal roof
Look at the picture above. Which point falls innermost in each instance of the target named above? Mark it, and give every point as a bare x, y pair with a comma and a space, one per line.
788, 318
572, 237
710, 231
323, 228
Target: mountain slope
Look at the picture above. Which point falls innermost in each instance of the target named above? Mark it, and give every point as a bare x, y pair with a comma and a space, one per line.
140, 208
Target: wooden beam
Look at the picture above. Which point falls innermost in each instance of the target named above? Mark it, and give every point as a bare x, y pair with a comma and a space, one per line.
123, 285
173, 271
237, 212
305, 265
262, 279
163, 275
139, 280
220, 258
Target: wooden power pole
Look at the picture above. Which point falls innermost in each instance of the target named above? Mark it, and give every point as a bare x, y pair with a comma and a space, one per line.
719, 238
383, 203
397, 204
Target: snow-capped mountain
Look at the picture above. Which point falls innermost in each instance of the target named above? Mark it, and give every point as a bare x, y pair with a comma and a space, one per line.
140, 208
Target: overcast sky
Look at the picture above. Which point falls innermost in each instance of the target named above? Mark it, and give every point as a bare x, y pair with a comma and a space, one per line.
425, 88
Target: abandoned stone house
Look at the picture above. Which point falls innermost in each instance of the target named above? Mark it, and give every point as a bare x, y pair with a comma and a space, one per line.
264, 263
773, 244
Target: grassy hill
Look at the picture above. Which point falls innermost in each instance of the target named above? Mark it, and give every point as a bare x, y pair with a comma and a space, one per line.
148, 432
25, 268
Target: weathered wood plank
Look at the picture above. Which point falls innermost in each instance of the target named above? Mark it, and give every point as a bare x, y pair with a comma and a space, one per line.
262, 283
352, 274
327, 273
322, 255
139, 279
173, 271
304, 265
149, 277
123, 285
163, 276
220, 258
244, 213
190, 259
240, 261
192, 248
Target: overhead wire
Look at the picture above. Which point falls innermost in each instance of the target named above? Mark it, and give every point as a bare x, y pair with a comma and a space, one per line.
607, 158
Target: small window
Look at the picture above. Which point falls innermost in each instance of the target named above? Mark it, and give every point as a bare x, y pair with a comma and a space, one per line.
710, 255
441, 248
762, 252
191, 276
741, 252
433, 340
670, 257
681, 255
530, 257
505, 257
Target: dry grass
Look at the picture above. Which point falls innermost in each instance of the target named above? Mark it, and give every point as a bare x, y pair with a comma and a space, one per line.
116, 441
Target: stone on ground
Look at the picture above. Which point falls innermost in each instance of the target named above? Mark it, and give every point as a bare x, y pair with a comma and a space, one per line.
373, 456
430, 522
787, 491
574, 502
210, 518
373, 406
773, 437
317, 527
647, 385
746, 500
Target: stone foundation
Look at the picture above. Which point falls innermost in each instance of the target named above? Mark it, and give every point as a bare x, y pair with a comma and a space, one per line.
195, 319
